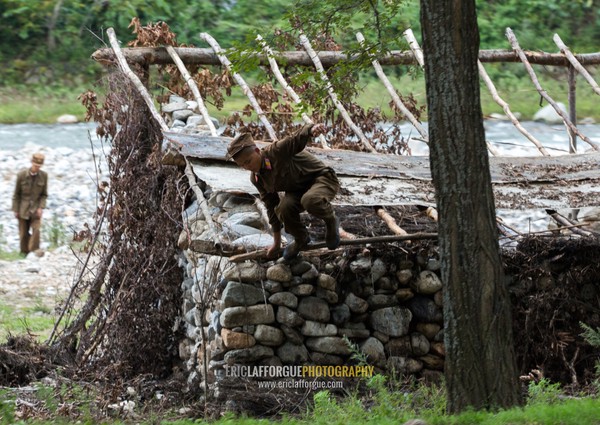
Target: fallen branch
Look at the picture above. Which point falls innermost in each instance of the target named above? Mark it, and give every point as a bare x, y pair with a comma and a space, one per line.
261, 254
563, 221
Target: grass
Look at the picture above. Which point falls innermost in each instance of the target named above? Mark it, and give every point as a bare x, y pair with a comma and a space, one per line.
37, 319
43, 105
391, 408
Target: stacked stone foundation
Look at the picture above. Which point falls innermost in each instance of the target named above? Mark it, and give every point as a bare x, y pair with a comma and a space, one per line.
375, 305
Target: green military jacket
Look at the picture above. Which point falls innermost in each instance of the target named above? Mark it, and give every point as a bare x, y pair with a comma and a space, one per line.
286, 168
30, 193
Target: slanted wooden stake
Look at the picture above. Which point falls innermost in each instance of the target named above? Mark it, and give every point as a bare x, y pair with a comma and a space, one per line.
241, 82
397, 101
418, 53
112, 37
414, 47
288, 89
319, 67
146, 96
515, 45
192, 84
391, 223
573, 60
490, 85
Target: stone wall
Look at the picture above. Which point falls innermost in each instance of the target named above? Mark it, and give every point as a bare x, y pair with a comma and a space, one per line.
318, 309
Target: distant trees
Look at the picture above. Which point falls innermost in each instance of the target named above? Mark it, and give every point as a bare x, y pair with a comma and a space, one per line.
58, 36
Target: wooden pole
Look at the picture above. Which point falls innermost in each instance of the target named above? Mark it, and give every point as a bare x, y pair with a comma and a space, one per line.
515, 44
319, 67
288, 89
261, 254
242, 83
192, 84
576, 64
572, 107
490, 85
414, 47
112, 37
207, 56
397, 101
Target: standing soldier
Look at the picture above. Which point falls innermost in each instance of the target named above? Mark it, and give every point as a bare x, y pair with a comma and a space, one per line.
309, 184
28, 202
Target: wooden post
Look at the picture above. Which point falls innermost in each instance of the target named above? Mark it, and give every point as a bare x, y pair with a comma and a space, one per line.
572, 107
238, 78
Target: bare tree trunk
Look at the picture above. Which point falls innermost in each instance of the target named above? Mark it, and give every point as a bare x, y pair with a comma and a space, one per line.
480, 360
51, 40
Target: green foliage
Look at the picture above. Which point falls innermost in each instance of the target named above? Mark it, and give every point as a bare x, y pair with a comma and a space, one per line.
592, 336
543, 392
55, 233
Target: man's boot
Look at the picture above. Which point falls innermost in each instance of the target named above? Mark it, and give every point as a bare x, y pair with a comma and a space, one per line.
291, 251
332, 232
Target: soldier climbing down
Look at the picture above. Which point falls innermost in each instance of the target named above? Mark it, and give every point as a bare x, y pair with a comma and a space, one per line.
284, 166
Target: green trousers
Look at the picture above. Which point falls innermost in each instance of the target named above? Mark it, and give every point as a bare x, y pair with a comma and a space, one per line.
316, 201
29, 241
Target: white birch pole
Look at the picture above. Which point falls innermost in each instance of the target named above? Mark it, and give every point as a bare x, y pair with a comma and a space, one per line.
112, 37
573, 60
397, 101
418, 53
289, 90
490, 85
319, 67
241, 82
515, 45
414, 46
192, 84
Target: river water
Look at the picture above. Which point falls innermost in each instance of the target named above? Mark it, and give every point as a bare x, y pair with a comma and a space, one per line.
71, 147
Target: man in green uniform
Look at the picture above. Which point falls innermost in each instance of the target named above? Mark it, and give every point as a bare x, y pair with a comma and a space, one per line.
284, 166
29, 199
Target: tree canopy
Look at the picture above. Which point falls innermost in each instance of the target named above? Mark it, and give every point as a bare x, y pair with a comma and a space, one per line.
50, 41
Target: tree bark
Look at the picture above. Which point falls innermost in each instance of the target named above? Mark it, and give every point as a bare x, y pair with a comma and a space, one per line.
480, 360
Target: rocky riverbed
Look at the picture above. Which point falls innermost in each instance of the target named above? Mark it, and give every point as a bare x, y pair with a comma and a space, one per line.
73, 176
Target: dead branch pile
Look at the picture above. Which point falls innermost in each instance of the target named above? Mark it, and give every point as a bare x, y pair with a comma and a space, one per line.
22, 360
555, 289
125, 327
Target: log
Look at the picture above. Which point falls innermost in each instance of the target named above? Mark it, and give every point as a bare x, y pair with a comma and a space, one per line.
319, 67
513, 41
206, 56
390, 222
564, 221
262, 254
242, 83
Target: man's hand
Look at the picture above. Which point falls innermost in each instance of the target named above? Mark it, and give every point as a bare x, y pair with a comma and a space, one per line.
276, 247
16, 214
38, 213
318, 129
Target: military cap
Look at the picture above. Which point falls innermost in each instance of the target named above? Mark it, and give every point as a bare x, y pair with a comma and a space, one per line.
38, 158
239, 143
